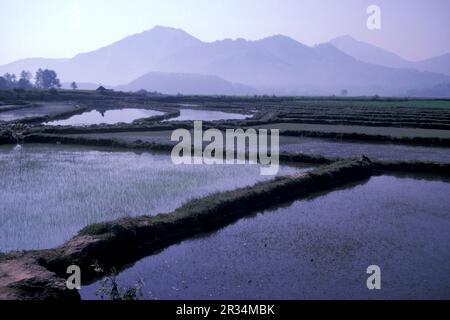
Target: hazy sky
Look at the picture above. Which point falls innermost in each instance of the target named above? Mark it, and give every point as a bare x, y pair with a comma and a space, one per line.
415, 29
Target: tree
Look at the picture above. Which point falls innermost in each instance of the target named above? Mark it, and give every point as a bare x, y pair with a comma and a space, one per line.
24, 81
344, 92
47, 79
74, 85
25, 75
10, 80
3, 83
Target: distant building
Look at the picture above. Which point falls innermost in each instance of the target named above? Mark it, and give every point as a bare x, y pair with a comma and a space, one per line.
102, 89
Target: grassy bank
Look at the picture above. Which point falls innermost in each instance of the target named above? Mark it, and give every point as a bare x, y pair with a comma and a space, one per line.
74, 140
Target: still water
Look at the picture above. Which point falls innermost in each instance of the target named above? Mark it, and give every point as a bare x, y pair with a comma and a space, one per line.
318, 248
207, 115
127, 115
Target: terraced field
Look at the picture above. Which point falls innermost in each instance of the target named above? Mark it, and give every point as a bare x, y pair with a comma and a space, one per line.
350, 129
373, 161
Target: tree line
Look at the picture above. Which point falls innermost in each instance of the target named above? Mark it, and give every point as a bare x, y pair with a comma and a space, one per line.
43, 79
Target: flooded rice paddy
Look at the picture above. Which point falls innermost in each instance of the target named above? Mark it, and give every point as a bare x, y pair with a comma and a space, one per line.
317, 146
318, 248
385, 131
49, 192
386, 151
207, 115
127, 115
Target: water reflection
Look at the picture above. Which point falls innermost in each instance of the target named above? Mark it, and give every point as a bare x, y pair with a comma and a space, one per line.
127, 115
317, 248
207, 115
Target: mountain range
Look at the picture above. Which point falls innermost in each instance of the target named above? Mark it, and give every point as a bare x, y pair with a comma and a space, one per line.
371, 54
172, 61
186, 83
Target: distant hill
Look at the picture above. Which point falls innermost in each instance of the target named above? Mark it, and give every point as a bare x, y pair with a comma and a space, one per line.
196, 84
118, 63
32, 65
276, 64
369, 53
439, 91
439, 64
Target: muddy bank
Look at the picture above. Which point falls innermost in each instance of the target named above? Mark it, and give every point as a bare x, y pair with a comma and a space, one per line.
22, 277
137, 145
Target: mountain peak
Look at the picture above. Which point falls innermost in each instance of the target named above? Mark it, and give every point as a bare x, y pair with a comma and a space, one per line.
277, 62
282, 41
368, 53
160, 28
280, 38
166, 31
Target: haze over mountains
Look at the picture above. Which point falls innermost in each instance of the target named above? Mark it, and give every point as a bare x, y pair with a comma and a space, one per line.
186, 83
371, 54
171, 61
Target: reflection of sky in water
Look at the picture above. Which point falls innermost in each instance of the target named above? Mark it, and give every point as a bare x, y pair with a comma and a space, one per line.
49, 192
317, 248
126, 115
207, 115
